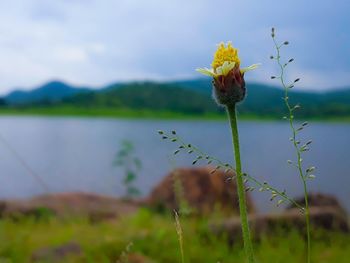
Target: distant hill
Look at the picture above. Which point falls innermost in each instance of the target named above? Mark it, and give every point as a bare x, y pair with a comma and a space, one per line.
267, 100
52, 91
147, 95
202, 85
187, 96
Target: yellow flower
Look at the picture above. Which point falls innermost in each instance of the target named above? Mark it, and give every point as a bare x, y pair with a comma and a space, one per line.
225, 54
225, 59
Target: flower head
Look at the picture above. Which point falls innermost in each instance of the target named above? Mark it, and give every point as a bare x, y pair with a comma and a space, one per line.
228, 77
225, 59
225, 55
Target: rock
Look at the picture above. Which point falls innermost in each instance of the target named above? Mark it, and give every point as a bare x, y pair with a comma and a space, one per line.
2, 207
138, 258
94, 206
57, 254
320, 200
326, 218
202, 191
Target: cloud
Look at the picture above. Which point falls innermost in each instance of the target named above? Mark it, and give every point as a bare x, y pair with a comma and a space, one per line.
91, 42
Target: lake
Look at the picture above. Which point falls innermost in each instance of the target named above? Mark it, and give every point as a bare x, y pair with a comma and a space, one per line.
76, 154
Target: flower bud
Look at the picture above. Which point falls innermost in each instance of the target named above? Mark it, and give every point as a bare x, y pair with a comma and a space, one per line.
228, 76
229, 89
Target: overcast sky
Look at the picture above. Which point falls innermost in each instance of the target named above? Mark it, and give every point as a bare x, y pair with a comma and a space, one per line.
96, 42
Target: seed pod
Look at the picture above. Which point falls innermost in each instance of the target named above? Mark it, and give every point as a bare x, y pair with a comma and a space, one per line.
273, 196
310, 169
280, 202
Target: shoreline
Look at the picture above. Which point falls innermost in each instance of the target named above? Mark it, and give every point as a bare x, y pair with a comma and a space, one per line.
152, 115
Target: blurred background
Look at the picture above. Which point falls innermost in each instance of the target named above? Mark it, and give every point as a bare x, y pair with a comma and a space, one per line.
85, 85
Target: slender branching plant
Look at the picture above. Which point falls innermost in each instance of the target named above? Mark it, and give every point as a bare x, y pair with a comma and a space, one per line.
280, 196
299, 147
126, 158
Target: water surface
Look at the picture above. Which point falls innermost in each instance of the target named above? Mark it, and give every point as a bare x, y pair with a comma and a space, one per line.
76, 154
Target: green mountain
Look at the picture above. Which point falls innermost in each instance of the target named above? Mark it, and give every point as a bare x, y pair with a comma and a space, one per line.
265, 100
148, 95
202, 85
187, 97
52, 91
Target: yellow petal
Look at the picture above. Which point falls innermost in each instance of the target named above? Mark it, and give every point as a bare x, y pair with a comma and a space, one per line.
207, 72
225, 68
251, 67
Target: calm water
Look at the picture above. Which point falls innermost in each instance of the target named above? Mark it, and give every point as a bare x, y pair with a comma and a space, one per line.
76, 154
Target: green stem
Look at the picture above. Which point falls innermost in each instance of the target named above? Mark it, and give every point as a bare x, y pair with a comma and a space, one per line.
307, 218
298, 152
248, 247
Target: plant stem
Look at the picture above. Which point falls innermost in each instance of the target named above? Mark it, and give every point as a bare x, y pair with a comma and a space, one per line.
297, 149
179, 234
248, 247
307, 218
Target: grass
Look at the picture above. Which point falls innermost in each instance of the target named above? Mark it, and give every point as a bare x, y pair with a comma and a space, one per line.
155, 236
141, 114
106, 112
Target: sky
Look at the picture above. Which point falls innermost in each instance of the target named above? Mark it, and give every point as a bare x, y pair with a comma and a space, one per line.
97, 42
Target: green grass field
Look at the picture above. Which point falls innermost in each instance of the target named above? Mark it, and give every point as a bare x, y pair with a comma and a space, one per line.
154, 236
105, 112
138, 114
